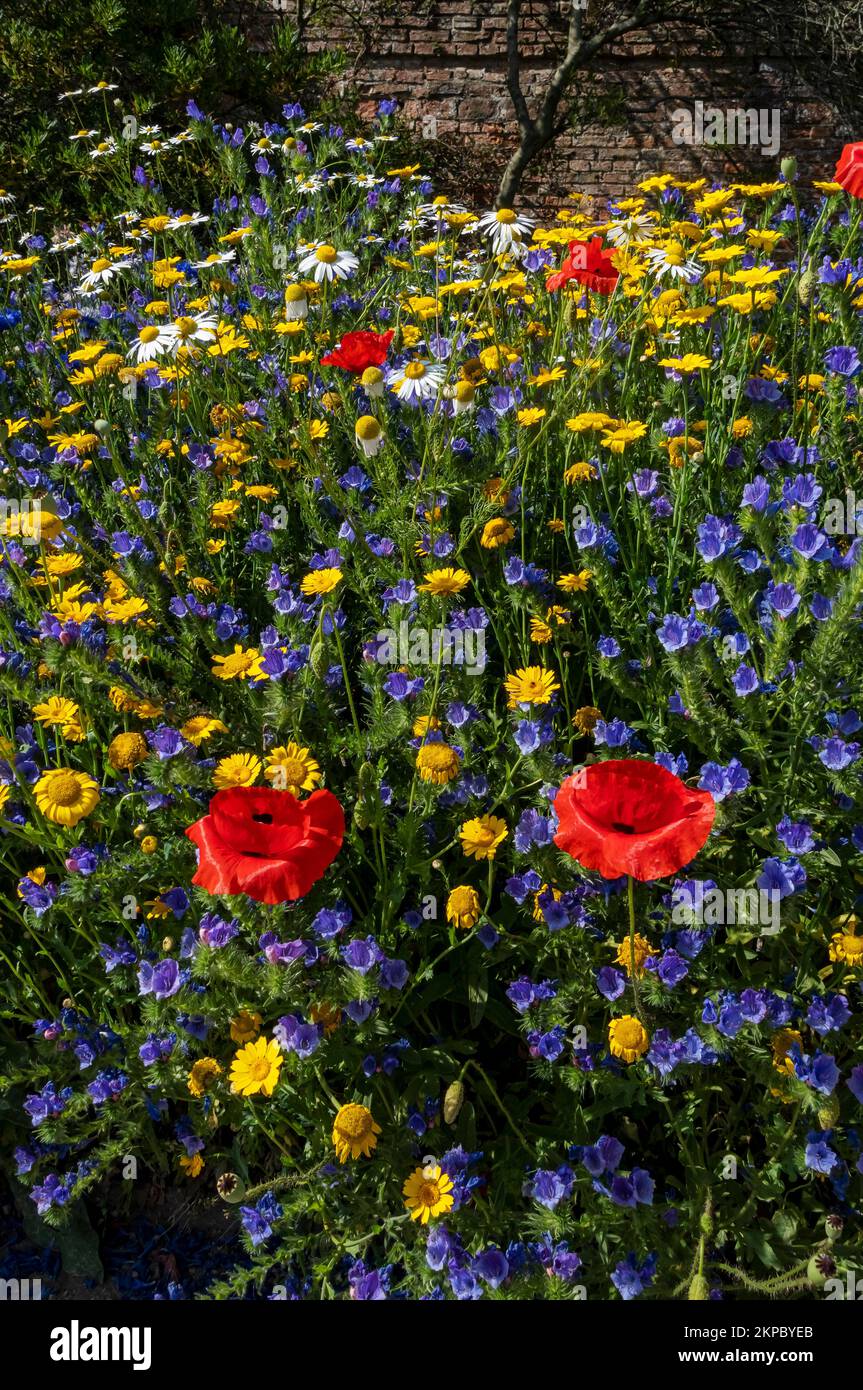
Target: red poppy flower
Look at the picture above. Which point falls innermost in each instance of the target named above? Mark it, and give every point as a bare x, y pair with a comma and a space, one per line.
590, 264
849, 170
266, 843
360, 350
631, 817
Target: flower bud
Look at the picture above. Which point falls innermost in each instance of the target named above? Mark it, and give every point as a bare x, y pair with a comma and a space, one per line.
819, 1269
231, 1188
805, 287
367, 780
452, 1102
318, 656
828, 1112
699, 1289
788, 167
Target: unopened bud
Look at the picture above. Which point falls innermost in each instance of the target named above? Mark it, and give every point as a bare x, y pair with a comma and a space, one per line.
452, 1102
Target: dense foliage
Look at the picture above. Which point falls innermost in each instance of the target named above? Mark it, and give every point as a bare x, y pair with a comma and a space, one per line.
342, 527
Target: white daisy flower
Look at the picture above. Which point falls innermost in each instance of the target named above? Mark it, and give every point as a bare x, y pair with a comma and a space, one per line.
296, 302
369, 435
416, 381
326, 263
631, 230
189, 329
153, 340
186, 219
504, 227
670, 260
100, 275
215, 258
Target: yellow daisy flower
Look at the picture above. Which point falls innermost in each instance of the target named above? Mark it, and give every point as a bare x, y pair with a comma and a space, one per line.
585, 719
292, 768
438, 763
481, 836
256, 1068
428, 1192
201, 727
496, 533
627, 1038
462, 907
321, 582
66, 797
245, 1026
444, 583
126, 750
239, 665
202, 1075
237, 770
531, 685
626, 955
354, 1132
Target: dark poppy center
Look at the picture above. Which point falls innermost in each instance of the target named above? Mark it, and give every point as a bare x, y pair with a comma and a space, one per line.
622, 827
264, 818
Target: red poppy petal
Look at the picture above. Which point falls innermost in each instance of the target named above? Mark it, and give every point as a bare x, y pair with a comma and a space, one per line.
272, 862
629, 816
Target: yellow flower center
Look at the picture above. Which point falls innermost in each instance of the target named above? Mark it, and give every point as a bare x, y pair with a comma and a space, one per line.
415, 370
148, 334
429, 1194
354, 1121
65, 789
326, 254
186, 327
294, 293
506, 216
294, 772
101, 264
628, 1033
259, 1069
367, 427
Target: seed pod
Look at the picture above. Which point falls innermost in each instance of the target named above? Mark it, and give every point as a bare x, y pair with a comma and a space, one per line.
699, 1289
805, 287
318, 656
362, 816
833, 1227
231, 1188
452, 1102
828, 1112
819, 1269
368, 782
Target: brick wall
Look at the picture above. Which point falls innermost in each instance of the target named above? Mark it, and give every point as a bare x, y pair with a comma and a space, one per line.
445, 62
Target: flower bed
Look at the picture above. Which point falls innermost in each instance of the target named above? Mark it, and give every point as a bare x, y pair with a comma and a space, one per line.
430, 762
